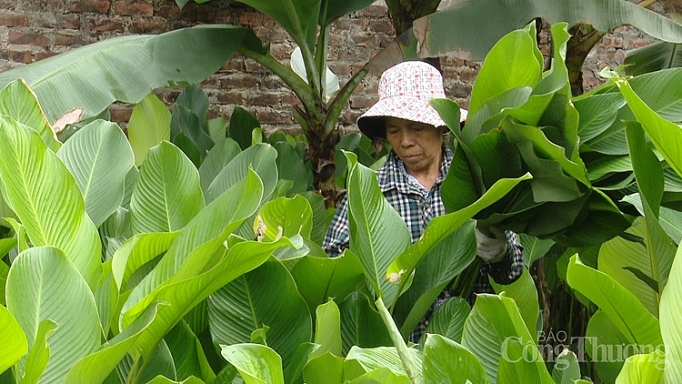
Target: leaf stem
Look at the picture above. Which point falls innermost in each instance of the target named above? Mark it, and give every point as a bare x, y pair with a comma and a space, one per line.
403, 351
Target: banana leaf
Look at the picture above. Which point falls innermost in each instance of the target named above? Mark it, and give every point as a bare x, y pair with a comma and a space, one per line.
125, 68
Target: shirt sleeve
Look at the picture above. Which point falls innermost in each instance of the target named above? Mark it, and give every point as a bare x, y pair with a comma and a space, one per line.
337, 237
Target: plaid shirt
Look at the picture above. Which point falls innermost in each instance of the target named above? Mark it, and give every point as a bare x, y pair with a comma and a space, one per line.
417, 206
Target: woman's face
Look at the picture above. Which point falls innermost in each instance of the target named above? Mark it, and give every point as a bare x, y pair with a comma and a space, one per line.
418, 145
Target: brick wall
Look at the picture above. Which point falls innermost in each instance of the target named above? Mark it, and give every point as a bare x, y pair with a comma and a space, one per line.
31, 30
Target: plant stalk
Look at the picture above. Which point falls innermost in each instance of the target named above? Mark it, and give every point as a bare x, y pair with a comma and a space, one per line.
308, 58
404, 352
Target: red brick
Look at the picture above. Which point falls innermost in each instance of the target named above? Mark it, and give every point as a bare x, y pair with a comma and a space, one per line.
366, 40
234, 98
120, 113
271, 116
381, 26
96, 6
109, 25
265, 99
281, 51
361, 102
174, 12
20, 56
70, 21
375, 11
212, 114
133, 9
11, 20
355, 55
43, 55
240, 81
236, 63
351, 24
340, 69
148, 27
612, 41
635, 43
66, 39
34, 39
252, 66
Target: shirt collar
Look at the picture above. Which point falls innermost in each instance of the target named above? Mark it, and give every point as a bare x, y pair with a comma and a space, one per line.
393, 175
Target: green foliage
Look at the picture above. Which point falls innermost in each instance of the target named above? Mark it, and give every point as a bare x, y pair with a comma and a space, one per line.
195, 253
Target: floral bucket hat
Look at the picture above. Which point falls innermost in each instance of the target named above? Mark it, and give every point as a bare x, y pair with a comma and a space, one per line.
404, 92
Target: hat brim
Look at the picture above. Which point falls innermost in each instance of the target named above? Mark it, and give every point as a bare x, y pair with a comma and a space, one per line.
372, 122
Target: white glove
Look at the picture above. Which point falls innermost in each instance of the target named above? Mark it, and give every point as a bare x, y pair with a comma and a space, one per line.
491, 249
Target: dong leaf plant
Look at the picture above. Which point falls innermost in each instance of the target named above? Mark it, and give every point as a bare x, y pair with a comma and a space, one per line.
167, 258
76, 313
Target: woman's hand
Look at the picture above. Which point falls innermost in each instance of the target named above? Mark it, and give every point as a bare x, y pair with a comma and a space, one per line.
493, 247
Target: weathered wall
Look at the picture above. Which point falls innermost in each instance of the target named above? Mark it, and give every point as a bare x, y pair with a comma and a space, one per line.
31, 30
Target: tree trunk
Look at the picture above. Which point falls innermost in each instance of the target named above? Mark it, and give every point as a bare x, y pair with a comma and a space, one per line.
321, 150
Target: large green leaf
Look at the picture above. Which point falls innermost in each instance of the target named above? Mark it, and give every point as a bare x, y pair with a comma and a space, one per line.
624, 260
14, 344
164, 380
566, 368
440, 354
188, 353
493, 331
533, 248
216, 159
525, 295
653, 57
125, 68
383, 357
445, 261
291, 167
97, 366
450, 30
260, 157
448, 321
19, 102
192, 128
167, 194
319, 279
136, 252
670, 312
99, 157
285, 217
651, 184
361, 324
298, 18
242, 124
265, 297
46, 199
377, 232
324, 369
149, 125
381, 375
202, 236
666, 136
622, 307
44, 285
186, 293
332, 10
645, 368
603, 340
39, 355
442, 226
257, 364
521, 69
327, 330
